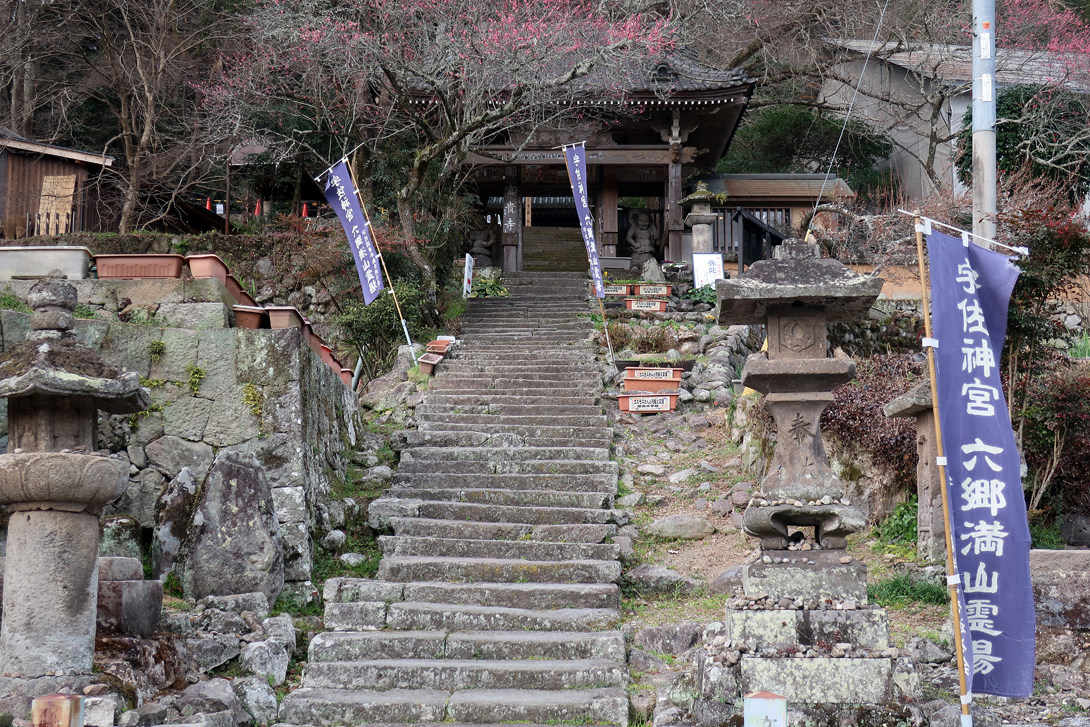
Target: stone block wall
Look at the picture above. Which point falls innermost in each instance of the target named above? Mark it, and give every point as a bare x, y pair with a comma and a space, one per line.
213, 388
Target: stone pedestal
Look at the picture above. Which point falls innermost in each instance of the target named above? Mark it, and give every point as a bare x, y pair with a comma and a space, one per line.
55, 488
806, 575
50, 592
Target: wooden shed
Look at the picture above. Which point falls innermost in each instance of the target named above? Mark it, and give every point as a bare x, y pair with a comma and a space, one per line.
44, 188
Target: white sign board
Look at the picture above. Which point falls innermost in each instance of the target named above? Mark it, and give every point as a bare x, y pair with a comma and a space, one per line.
649, 403
467, 283
653, 374
707, 268
651, 305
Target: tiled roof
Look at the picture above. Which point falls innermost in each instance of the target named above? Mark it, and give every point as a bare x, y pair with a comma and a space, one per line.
954, 63
682, 72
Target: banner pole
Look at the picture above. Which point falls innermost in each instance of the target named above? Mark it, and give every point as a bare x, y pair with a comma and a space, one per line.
367, 217
952, 579
605, 327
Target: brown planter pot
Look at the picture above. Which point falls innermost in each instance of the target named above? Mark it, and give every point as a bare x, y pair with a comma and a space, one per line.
440, 347
235, 289
312, 338
284, 316
252, 317
653, 289
634, 384
647, 306
616, 290
346, 376
208, 266
428, 362
138, 267
245, 298
327, 355
647, 403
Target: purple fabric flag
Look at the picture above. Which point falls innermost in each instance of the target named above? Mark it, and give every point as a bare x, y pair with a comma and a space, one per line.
575, 156
970, 291
341, 194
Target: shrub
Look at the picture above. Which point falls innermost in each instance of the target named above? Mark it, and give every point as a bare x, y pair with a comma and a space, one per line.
376, 329
855, 417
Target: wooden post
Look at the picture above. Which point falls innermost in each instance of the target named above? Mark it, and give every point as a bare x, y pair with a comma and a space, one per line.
512, 221
609, 211
674, 223
227, 203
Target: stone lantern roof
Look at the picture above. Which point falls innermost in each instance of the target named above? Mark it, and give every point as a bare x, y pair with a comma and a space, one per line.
54, 362
799, 276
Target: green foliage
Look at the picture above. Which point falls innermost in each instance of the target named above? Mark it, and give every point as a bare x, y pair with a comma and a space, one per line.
1056, 435
156, 349
196, 376
134, 419
251, 397
172, 585
153, 383
10, 301
488, 289
1046, 537
376, 329
703, 294
650, 339
84, 312
1039, 128
792, 139
903, 589
1080, 347
899, 527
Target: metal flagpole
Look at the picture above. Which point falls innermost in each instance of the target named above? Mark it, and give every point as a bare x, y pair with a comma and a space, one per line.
371, 234
953, 580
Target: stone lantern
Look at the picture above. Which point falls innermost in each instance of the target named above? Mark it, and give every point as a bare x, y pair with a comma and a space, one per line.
700, 217
795, 296
54, 483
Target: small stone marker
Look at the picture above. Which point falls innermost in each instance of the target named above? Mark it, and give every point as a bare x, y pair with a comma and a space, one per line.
57, 710
764, 709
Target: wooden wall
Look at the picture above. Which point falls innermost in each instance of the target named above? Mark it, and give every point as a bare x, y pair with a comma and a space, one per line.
21, 181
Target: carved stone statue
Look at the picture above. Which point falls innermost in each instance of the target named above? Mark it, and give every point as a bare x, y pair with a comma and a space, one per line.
481, 241
641, 238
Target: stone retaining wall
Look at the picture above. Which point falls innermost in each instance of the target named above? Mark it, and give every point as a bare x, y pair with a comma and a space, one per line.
259, 391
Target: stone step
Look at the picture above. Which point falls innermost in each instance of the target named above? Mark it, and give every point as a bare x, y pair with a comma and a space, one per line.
448, 438
361, 646
588, 434
464, 368
509, 409
411, 616
496, 570
506, 398
335, 707
425, 528
516, 326
439, 481
541, 420
518, 498
584, 706
524, 390
439, 510
399, 545
384, 674
509, 454
553, 383
528, 467
530, 596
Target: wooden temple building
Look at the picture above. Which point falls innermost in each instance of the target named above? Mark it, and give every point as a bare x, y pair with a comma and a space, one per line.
677, 122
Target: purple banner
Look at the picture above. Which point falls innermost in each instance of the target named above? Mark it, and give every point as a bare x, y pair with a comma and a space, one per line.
575, 156
970, 291
341, 193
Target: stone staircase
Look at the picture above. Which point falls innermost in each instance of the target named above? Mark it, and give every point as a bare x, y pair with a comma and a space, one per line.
552, 249
496, 598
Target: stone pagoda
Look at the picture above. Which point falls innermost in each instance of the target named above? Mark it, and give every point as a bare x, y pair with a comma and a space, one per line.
55, 483
803, 628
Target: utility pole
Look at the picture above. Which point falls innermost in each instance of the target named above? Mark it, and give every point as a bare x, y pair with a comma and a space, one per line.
984, 92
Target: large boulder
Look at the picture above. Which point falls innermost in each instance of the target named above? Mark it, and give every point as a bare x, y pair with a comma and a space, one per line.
234, 544
173, 515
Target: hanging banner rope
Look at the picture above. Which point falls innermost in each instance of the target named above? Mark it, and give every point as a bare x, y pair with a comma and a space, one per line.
987, 525
340, 191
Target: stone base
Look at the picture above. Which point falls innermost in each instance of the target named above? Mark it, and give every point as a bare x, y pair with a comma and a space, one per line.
778, 629
820, 680
825, 578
